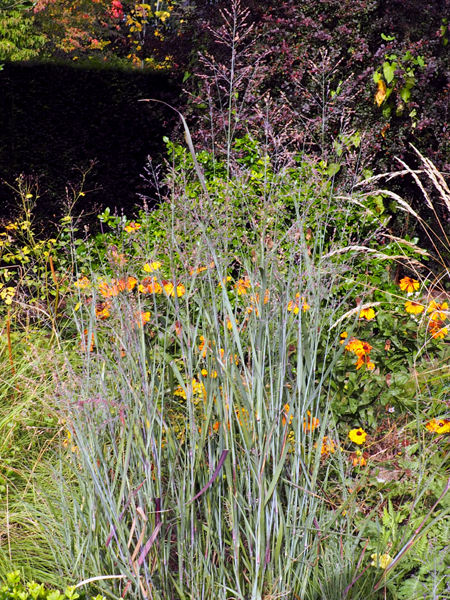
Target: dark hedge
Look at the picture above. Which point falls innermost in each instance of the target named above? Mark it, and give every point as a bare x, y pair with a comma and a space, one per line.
56, 118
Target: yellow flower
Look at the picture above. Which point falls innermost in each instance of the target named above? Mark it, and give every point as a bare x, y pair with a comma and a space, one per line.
153, 266
145, 317
414, 308
367, 313
358, 436
170, 289
382, 561
438, 425
82, 283
344, 337
409, 285
132, 227
435, 308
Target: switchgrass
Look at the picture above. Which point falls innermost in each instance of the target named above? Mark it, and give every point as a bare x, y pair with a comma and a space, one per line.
206, 461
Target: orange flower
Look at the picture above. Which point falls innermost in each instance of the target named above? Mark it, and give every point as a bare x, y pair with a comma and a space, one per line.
328, 446
145, 317
437, 330
409, 285
414, 308
126, 284
435, 308
108, 291
150, 285
344, 336
359, 459
310, 423
202, 347
365, 360
242, 285
285, 414
83, 342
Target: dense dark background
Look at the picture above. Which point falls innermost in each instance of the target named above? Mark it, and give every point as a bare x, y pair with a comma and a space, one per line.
57, 118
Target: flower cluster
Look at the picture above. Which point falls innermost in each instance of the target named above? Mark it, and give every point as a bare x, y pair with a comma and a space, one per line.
294, 305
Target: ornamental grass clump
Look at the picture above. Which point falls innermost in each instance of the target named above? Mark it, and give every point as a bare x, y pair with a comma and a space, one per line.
204, 459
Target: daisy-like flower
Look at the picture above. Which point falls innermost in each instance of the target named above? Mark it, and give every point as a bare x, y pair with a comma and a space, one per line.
153, 266
435, 308
310, 423
131, 227
438, 425
381, 560
367, 313
409, 285
358, 436
171, 289
414, 308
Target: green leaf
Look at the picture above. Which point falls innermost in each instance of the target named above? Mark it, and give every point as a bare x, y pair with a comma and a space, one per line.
389, 70
405, 94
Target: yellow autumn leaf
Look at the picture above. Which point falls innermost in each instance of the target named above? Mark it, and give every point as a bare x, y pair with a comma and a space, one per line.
381, 94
